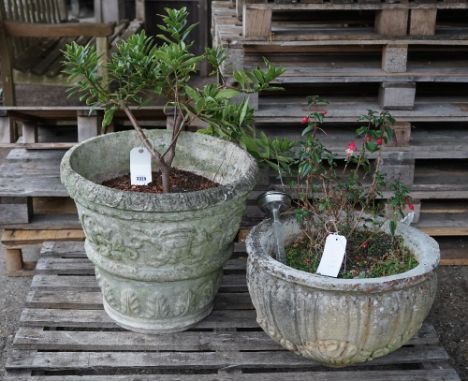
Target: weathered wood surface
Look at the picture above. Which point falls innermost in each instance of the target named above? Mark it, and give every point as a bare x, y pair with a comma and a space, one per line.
34, 35
65, 334
80, 122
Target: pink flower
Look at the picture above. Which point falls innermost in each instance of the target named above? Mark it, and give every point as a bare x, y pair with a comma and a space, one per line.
379, 141
368, 138
324, 113
351, 149
409, 204
305, 120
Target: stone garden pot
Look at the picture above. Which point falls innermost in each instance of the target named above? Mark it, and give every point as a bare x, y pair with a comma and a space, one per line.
339, 322
158, 257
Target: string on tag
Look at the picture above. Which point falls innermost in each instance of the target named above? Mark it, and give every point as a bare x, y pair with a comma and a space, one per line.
332, 221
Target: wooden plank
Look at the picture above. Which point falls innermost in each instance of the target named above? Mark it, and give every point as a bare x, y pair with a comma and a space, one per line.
29, 132
402, 132
13, 260
97, 318
445, 374
190, 360
65, 340
423, 22
444, 224
394, 58
256, 22
15, 210
112, 10
19, 29
6, 61
357, 6
55, 265
140, 12
230, 282
7, 131
14, 238
48, 222
397, 96
93, 300
88, 124
279, 110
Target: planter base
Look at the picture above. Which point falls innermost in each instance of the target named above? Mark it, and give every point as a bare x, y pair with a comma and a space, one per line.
162, 326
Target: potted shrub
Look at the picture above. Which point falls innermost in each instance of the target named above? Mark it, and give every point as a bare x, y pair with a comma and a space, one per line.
159, 249
387, 282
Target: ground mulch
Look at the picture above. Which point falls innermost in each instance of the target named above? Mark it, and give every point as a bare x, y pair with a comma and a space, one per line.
181, 181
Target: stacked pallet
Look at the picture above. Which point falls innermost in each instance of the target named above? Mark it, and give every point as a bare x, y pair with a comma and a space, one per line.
64, 334
408, 57
34, 205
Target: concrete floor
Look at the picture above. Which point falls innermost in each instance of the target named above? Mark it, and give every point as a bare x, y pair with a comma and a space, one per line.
13, 291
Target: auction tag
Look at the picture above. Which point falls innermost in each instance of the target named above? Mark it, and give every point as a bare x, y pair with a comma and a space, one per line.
333, 255
408, 219
140, 167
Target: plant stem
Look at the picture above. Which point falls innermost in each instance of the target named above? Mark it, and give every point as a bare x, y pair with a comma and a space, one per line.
161, 163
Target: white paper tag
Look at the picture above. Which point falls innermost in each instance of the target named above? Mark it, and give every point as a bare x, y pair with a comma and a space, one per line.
140, 167
408, 219
333, 255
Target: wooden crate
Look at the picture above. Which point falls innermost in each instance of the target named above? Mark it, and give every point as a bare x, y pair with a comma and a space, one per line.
65, 334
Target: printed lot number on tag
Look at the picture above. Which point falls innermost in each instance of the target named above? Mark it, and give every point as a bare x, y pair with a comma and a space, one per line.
140, 167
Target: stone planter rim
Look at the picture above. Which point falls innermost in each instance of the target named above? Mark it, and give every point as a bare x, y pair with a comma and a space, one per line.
152, 202
428, 260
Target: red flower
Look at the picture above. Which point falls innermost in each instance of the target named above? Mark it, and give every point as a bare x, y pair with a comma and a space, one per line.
368, 138
409, 204
351, 149
365, 245
379, 141
305, 120
324, 113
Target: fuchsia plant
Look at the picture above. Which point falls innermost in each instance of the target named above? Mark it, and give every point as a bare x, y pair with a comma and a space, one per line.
342, 192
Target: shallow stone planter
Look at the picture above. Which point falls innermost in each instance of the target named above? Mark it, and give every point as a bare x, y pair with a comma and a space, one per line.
158, 257
339, 322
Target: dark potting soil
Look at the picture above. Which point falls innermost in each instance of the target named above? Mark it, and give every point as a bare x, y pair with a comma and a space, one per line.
181, 181
367, 255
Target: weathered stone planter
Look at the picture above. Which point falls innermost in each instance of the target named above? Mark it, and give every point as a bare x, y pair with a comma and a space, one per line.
339, 322
158, 257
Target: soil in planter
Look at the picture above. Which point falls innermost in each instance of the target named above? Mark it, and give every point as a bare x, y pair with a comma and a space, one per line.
181, 181
383, 255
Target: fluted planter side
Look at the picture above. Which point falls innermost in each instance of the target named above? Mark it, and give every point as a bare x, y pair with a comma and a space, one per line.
158, 257
339, 322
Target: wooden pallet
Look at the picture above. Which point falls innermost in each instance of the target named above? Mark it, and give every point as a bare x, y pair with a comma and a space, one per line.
65, 334
329, 54
413, 19
27, 121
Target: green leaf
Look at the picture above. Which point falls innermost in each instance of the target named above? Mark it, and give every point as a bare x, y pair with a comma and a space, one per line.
244, 110
393, 227
108, 117
227, 93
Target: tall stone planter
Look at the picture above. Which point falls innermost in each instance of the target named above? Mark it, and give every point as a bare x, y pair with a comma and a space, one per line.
339, 322
158, 257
